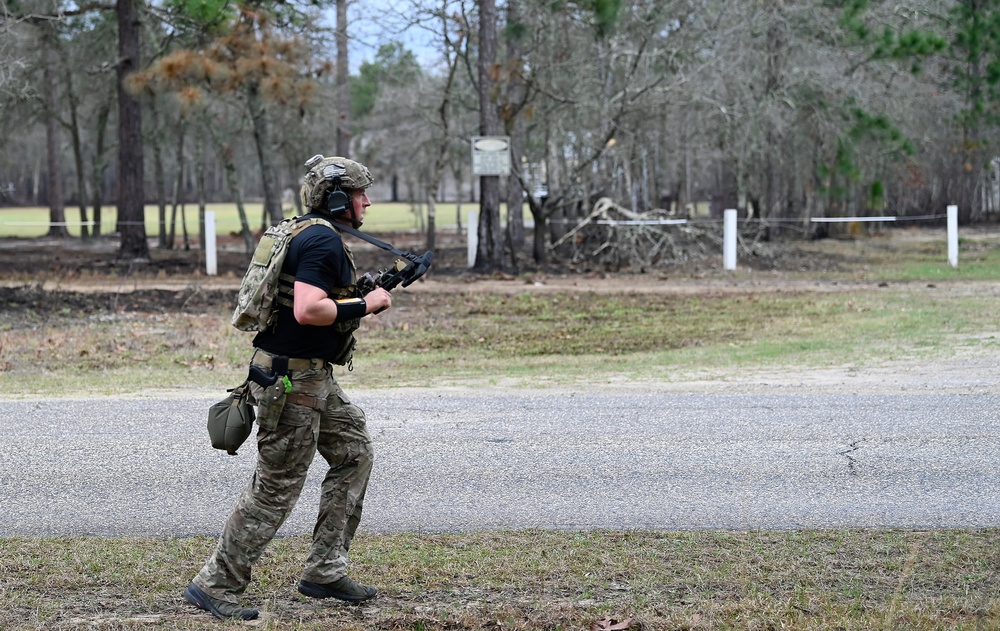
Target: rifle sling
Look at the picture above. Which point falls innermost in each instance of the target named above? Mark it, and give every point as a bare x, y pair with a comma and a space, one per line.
373, 241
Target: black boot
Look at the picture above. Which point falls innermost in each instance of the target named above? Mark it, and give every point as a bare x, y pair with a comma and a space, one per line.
221, 609
342, 589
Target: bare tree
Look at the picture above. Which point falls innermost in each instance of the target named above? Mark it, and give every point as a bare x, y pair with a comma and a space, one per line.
490, 250
343, 84
782, 109
452, 50
254, 63
53, 134
511, 114
14, 81
131, 195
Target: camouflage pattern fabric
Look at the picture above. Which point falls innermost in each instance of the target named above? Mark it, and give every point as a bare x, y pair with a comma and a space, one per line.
341, 437
323, 175
261, 285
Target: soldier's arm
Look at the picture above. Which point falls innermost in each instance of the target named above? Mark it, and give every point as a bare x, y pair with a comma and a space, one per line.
312, 306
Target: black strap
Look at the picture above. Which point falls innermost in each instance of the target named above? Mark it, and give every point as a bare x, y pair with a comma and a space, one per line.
373, 240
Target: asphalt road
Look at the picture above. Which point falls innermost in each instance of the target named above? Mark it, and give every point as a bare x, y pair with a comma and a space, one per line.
450, 461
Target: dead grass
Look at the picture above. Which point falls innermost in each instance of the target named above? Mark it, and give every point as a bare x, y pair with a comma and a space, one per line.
856, 579
60, 343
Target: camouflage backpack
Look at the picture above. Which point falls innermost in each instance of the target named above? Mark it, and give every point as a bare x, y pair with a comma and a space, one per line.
255, 306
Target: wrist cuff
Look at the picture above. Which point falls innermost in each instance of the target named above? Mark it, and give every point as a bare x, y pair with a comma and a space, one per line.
351, 309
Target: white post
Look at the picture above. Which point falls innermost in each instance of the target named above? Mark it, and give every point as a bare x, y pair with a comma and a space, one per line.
729, 239
472, 237
953, 236
211, 267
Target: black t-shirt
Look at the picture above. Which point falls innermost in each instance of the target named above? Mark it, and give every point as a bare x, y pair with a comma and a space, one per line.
316, 256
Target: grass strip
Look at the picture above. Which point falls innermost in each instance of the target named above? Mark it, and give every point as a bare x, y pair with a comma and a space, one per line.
441, 338
846, 579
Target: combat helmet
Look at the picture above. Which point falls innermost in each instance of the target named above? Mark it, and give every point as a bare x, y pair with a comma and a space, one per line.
326, 174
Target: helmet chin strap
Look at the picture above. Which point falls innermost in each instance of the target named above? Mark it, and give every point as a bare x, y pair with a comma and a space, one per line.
354, 220
351, 215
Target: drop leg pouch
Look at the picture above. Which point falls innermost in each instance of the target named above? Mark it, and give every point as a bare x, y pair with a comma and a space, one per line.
270, 403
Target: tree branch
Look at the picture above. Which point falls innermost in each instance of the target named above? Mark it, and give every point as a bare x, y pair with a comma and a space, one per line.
37, 18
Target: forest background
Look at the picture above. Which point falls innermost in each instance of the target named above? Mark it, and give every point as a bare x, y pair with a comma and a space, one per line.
788, 111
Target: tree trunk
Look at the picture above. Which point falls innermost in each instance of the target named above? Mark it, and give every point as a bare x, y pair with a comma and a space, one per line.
229, 172
165, 237
262, 139
100, 166
178, 183
539, 250
441, 159
431, 214
199, 176
53, 137
489, 256
131, 198
74, 130
226, 153
514, 127
343, 84
457, 172
36, 181
184, 228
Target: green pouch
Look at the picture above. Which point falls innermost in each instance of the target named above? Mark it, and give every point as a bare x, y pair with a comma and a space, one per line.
231, 420
270, 403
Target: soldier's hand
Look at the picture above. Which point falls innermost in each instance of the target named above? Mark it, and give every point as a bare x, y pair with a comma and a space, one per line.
378, 300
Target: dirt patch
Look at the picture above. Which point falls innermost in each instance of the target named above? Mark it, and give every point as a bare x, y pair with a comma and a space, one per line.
32, 305
42, 280
72, 259
46, 279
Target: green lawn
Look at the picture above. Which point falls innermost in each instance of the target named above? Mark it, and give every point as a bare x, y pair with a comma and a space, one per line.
30, 222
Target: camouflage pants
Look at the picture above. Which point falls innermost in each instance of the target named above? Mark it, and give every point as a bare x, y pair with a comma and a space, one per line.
284, 456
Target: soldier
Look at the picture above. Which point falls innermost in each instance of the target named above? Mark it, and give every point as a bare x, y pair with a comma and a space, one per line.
314, 329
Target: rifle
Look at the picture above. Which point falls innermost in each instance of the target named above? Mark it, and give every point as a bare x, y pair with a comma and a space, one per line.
400, 273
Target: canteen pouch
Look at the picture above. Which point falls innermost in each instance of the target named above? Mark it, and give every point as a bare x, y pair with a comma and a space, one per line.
270, 403
231, 420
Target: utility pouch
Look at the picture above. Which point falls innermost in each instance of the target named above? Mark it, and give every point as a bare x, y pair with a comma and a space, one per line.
346, 353
231, 420
270, 403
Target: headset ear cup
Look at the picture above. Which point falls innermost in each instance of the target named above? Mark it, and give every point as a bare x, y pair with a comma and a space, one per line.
338, 202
